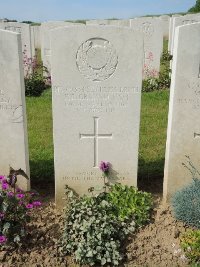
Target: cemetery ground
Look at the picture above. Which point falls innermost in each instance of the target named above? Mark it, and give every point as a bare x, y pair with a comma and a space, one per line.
156, 244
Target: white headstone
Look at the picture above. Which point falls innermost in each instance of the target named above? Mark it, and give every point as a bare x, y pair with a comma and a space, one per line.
165, 25
25, 31
183, 20
96, 105
13, 134
171, 21
152, 32
35, 30
45, 39
183, 134
97, 22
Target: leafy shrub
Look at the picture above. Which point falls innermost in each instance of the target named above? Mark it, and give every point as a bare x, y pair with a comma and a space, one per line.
15, 207
129, 201
186, 202
190, 242
97, 225
92, 232
37, 77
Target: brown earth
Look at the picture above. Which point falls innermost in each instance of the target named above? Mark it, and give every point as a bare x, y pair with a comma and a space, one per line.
156, 244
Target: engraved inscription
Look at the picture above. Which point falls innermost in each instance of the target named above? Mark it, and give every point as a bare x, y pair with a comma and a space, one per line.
96, 136
96, 98
12, 113
96, 59
196, 135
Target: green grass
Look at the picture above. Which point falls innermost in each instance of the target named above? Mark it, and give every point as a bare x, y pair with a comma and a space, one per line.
152, 137
153, 127
40, 135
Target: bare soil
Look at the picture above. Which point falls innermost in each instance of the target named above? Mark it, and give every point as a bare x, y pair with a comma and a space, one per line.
156, 244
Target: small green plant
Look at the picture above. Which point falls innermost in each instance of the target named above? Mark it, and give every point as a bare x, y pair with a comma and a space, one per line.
97, 225
37, 77
129, 201
186, 202
92, 232
190, 242
15, 208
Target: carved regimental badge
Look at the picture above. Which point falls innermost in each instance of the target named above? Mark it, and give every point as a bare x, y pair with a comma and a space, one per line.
96, 59
147, 28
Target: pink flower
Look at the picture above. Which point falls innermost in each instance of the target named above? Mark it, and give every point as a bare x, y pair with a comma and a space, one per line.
5, 186
18, 190
20, 195
2, 177
37, 203
10, 194
29, 206
3, 239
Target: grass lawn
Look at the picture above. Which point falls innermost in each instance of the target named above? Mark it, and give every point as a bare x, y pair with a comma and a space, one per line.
152, 138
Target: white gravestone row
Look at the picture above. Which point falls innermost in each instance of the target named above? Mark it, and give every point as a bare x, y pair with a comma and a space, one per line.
45, 40
183, 135
152, 32
117, 22
13, 134
96, 87
171, 30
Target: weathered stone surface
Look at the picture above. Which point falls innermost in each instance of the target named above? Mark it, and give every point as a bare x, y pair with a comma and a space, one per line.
183, 134
13, 134
165, 25
45, 39
96, 105
152, 32
36, 36
179, 21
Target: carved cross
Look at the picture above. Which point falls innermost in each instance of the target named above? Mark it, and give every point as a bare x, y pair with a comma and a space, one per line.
96, 136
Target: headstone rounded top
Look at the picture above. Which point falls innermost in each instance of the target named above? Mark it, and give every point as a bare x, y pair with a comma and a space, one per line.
96, 59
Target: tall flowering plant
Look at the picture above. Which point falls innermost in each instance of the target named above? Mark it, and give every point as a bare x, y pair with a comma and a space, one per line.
15, 208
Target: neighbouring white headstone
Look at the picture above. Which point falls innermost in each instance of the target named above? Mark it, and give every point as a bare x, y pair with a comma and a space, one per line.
96, 86
97, 22
13, 133
182, 20
165, 25
25, 31
36, 36
183, 134
152, 32
46, 27
171, 21
114, 22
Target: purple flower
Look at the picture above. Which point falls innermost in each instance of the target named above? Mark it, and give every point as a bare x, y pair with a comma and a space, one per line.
18, 190
3, 239
37, 203
20, 195
4, 181
29, 206
104, 166
2, 177
5, 186
10, 194
2, 215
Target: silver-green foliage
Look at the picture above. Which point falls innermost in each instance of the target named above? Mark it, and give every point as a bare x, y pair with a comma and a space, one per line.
92, 232
186, 202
